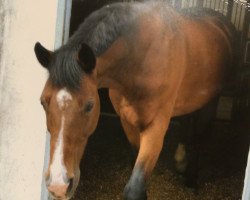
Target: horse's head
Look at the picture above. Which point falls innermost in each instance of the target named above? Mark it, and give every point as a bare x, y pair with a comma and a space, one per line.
72, 111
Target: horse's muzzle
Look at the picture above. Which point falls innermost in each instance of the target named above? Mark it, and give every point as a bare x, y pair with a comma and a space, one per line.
61, 191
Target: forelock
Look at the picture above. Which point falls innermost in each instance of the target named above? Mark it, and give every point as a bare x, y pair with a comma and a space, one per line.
64, 70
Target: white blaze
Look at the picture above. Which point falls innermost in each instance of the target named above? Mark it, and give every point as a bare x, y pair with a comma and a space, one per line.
63, 96
58, 170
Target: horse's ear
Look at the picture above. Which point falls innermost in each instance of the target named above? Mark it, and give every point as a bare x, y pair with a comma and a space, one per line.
86, 58
43, 55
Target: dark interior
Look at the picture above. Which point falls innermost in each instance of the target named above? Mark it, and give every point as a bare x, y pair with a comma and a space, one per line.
106, 165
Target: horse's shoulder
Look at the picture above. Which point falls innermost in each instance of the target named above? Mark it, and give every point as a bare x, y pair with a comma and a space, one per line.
137, 112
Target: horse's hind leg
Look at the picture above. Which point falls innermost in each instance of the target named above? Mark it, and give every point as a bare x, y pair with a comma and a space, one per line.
151, 142
181, 151
201, 123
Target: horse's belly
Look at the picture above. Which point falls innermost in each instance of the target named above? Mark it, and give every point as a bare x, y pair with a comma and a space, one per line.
196, 101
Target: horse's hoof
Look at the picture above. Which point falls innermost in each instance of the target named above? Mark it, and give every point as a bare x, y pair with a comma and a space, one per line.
192, 190
136, 187
181, 166
191, 185
134, 193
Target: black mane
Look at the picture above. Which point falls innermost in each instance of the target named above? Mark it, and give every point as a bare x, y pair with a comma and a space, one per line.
104, 26
98, 31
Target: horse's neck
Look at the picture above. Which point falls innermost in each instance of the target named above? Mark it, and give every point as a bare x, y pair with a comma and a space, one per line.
123, 65
112, 66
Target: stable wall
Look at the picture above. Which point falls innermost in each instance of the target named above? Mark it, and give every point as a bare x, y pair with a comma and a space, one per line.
22, 121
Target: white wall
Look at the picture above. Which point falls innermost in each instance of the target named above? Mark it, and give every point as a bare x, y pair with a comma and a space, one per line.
246, 190
22, 121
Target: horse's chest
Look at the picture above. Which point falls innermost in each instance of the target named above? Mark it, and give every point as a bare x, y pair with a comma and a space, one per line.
131, 112
127, 111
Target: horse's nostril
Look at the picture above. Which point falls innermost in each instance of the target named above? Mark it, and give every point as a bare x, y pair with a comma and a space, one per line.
70, 185
58, 191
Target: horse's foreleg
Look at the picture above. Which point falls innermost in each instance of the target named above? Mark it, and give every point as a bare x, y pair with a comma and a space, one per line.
133, 137
132, 134
151, 142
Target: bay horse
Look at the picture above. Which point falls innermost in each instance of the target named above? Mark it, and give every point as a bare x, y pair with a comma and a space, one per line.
157, 64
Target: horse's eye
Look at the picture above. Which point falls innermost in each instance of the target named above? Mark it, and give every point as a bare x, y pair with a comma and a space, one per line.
89, 106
